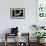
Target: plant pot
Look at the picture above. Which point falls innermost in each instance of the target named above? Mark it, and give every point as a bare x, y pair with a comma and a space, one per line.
40, 41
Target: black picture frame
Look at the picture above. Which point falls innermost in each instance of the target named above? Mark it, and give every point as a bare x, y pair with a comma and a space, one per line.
17, 13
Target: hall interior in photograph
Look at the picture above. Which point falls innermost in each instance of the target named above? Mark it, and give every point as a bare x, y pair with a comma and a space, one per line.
22, 22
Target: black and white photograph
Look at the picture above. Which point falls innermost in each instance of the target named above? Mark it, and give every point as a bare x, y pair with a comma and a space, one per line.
17, 13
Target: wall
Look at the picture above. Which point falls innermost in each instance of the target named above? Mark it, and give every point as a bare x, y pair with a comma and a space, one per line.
23, 24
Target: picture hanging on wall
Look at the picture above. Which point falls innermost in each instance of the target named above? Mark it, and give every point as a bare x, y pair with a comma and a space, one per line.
41, 8
17, 13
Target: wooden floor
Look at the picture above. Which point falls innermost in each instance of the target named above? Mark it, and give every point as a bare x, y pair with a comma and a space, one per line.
13, 44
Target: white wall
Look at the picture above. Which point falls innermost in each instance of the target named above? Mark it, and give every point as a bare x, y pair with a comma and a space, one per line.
23, 24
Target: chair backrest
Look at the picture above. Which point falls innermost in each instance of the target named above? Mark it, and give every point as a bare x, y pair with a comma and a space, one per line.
14, 30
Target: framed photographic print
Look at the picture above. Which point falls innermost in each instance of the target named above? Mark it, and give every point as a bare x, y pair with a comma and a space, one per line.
41, 12
17, 13
41, 8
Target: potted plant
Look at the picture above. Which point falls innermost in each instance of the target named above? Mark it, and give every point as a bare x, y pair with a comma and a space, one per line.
39, 35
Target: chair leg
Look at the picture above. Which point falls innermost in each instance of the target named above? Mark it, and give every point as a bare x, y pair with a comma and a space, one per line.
5, 40
5, 43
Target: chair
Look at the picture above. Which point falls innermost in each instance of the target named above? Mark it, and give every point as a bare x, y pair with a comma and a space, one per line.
7, 34
26, 41
14, 32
